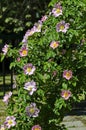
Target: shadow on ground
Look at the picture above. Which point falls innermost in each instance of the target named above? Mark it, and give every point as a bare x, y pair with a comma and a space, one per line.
78, 109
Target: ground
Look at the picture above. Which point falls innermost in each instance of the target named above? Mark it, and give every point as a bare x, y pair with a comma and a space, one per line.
76, 119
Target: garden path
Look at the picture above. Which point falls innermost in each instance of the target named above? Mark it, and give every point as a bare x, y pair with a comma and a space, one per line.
76, 119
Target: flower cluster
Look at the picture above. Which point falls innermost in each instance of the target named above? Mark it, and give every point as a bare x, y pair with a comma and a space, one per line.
32, 110
67, 74
29, 68
36, 28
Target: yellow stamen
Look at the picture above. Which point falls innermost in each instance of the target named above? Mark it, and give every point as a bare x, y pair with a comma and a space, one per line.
68, 75
29, 69
24, 52
29, 88
58, 11
31, 110
66, 94
55, 44
10, 122
36, 129
62, 27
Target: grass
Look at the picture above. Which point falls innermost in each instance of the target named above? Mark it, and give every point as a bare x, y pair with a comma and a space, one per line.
2, 112
2, 104
7, 84
7, 79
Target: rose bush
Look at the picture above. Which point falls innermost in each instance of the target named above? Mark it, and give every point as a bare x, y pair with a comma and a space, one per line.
50, 68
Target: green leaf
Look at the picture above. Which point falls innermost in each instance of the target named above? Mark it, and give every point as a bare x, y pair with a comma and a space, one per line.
52, 3
2, 57
64, 86
13, 64
50, 54
74, 84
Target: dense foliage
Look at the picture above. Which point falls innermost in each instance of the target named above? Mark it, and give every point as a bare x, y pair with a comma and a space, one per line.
17, 16
51, 68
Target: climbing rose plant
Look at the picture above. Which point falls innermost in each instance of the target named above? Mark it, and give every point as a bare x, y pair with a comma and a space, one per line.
50, 69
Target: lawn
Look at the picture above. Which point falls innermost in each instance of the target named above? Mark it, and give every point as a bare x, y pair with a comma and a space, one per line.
7, 79
2, 104
2, 112
7, 85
